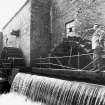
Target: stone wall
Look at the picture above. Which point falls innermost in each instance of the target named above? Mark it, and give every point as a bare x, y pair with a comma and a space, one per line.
40, 29
21, 21
42, 24
1, 42
84, 12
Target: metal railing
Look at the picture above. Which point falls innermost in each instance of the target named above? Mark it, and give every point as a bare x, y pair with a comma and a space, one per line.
6, 65
10, 60
47, 61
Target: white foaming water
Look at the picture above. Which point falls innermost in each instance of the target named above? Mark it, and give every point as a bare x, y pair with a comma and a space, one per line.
53, 91
16, 99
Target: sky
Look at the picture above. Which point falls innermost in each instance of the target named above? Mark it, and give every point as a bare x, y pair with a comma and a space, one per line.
7, 10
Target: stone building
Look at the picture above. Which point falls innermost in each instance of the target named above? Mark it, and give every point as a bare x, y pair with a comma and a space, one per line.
33, 23
42, 24
1, 42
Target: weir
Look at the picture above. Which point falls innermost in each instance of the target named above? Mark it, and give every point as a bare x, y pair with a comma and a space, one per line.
51, 91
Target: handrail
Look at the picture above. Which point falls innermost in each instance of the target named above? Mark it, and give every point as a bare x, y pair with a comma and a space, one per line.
64, 56
14, 58
57, 65
49, 63
9, 58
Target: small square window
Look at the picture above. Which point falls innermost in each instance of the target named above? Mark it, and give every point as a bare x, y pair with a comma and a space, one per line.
70, 28
15, 33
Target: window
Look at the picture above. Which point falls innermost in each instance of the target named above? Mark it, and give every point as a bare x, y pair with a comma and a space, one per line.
70, 28
15, 33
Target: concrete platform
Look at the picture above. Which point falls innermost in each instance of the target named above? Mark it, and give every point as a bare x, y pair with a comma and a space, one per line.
72, 75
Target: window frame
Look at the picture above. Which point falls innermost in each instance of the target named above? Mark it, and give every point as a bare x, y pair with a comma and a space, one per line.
69, 22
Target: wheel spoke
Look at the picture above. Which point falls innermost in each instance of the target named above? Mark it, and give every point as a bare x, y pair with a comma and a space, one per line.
87, 65
70, 56
76, 53
78, 60
59, 62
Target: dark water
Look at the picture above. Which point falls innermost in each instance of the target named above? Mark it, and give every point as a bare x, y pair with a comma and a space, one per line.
53, 91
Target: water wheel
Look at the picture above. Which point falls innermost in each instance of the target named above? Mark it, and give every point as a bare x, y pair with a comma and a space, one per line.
14, 54
73, 53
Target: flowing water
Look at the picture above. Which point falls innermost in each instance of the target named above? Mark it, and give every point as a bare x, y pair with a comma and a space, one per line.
21, 83
51, 91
